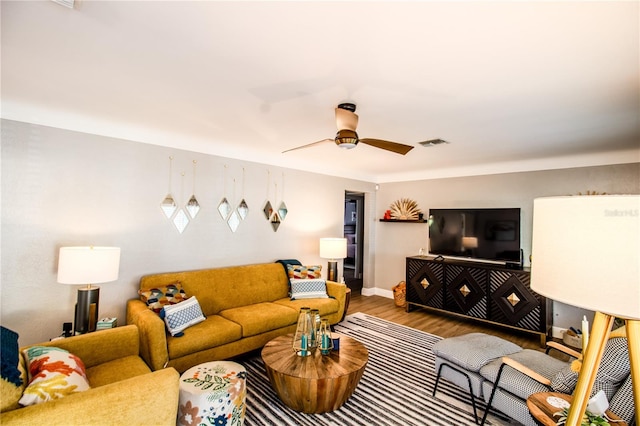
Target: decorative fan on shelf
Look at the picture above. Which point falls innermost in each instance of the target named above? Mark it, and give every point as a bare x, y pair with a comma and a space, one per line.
405, 209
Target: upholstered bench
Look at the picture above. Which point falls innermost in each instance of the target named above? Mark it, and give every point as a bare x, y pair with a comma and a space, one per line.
459, 360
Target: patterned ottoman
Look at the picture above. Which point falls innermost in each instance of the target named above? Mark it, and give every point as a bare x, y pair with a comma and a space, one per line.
213, 393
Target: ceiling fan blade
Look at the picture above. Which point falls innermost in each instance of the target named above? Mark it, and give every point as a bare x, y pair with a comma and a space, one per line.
346, 120
396, 147
309, 145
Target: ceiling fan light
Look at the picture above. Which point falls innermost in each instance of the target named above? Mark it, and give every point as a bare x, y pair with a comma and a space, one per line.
346, 139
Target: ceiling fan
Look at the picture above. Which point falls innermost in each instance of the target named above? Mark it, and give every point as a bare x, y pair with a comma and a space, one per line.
347, 138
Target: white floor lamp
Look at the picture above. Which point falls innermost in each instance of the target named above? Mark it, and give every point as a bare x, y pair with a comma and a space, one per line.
586, 253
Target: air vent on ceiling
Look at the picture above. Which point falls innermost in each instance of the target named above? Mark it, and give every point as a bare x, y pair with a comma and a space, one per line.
433, 142
65, 3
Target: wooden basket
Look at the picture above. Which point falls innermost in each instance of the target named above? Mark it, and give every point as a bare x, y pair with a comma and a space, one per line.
400, 294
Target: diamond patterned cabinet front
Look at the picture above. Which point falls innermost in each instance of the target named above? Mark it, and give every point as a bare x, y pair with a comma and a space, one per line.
482, 291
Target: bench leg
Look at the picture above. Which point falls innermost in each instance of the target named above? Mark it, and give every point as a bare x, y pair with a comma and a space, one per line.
464, 373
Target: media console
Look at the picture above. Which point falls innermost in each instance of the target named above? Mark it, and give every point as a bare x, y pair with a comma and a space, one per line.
482, 291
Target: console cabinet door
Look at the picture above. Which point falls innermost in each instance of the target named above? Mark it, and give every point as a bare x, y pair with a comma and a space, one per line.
425, 283
466, 290
513, 301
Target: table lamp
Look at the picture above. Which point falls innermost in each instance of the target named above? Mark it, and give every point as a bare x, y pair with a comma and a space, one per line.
586, 253
333, 249
88, 265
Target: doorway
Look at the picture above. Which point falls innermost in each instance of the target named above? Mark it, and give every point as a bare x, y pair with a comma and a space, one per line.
354, 233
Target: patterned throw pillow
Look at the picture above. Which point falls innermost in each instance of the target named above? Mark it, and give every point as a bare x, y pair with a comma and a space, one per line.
183, 315
159, 297
308, 289
53, 373
302, 272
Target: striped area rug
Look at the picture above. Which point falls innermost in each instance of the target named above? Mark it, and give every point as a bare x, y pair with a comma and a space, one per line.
395, 389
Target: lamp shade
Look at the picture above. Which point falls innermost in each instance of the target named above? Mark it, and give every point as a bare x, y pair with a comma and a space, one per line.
88, 265
333, 248
586, 252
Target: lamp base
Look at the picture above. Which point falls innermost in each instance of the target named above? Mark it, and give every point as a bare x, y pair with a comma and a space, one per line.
86, 317
332, 270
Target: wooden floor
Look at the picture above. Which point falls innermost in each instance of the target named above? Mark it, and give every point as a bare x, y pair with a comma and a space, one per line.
435, 323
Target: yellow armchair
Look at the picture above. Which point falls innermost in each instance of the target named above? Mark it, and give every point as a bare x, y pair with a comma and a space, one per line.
123, 388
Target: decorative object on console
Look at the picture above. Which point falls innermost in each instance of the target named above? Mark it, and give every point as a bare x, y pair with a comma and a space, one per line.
580, 244
333, 249
88, 265
404, 209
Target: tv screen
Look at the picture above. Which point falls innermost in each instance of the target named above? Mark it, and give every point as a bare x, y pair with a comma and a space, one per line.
487, 234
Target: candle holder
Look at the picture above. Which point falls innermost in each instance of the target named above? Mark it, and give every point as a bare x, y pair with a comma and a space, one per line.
315, 330
326, 343
302, 336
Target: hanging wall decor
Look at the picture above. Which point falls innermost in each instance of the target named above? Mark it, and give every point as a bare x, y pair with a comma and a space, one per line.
193, 207
234, 219
268, 209
282, 210
275, 216
181, 220
224, 208
243, 207
168, 205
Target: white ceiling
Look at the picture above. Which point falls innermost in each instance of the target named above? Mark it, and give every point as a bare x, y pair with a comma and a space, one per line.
512, 86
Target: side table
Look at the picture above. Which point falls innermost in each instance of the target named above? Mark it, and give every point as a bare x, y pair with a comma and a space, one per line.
542, 407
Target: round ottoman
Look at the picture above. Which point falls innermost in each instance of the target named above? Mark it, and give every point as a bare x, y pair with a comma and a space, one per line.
213, 393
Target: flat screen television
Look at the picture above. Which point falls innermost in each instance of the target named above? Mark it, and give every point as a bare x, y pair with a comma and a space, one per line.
484, 234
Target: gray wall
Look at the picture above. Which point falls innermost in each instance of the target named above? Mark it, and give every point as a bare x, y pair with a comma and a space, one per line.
64, 188
397, 241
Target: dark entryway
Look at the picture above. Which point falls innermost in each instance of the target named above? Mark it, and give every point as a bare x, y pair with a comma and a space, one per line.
354, 233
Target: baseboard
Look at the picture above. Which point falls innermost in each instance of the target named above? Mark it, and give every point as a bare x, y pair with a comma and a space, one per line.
377, 292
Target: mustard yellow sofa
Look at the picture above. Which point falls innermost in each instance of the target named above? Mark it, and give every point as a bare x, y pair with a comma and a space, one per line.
123, 390
245, 307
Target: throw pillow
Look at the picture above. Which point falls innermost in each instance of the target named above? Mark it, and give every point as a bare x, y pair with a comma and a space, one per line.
53, 373
159, 297
182, 315
308, 289
10, 356
302, 272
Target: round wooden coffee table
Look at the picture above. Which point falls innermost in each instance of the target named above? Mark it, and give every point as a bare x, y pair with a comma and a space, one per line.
544, 412
316, 383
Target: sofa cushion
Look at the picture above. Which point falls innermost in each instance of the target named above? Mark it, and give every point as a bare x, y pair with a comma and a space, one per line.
158, 297
308, 289
116, 370
261, 317
213, 331
182, 315
304, 272
324, 306
53, 373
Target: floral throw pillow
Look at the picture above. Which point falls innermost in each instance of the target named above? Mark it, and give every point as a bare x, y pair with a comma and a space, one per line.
303, 272
159, 297
53, 373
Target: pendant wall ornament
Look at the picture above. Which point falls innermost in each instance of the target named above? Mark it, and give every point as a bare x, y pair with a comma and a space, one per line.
282, 209
193, 207
168, 205
268, 209
243, 207
224, 208
275, 218
181, 220
234, 219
